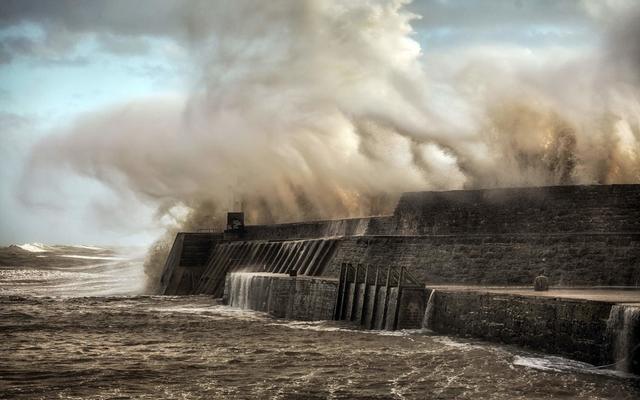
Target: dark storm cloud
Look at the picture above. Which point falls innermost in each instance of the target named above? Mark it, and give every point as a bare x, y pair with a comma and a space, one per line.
145, 17
470, 13
12, 121
5, 55
117, 44
120, 27
529, 23
46, 52
124, 27
193, 19
15, 45
180, 18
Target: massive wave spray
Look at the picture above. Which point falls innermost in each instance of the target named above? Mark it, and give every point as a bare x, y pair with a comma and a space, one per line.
320, 109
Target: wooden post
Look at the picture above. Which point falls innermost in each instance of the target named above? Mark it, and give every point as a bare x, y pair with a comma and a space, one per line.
344, 291
354, 295
375, 302
386, 300
396, 315
338, 306
365, 298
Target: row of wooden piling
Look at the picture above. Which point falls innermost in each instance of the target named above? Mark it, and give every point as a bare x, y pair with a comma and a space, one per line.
359, 274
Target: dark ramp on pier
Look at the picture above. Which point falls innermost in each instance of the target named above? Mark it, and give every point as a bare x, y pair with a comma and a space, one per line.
186, 261
306, 257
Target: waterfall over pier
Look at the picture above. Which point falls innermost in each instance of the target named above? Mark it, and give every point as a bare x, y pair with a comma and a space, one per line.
623, 332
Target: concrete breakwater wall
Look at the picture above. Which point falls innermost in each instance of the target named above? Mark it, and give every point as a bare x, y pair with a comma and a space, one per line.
312, 298
317, 229
300, 298
597, 332
552, 209
187, 258
598, 259
580, 235
306, 257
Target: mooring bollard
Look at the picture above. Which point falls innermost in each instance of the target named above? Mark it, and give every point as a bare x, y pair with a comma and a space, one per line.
541, 283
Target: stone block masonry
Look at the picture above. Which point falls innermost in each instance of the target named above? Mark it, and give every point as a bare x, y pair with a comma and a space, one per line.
304, 257
552, 209
299, 298
597, 332
313, 229
597, 259
561, 326
186, 262
311, 299
580, 235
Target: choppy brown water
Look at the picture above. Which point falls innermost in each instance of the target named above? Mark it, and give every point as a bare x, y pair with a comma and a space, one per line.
171, 347
190, 347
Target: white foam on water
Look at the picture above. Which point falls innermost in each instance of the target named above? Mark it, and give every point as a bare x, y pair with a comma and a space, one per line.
319, 326
331, 326
397, 389
213, 311
93, 257
114, 277
35, 247
449, 342
561, 364
80, 246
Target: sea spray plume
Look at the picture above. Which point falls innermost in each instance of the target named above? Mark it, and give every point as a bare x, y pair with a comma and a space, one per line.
320, 109
205, 216
271, 121
269, 130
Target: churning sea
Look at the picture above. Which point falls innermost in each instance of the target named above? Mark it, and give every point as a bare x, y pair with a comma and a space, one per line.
70, 331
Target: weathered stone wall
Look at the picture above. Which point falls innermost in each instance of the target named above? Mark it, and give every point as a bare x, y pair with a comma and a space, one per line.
319, 229
299, 298
413, 303
186, 261
573, 328
580, 235
503, 259
305, 257
197, 247
551, 209
311, 299
598, 208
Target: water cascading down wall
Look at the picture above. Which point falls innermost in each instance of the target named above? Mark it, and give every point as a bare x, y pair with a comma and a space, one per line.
578, 235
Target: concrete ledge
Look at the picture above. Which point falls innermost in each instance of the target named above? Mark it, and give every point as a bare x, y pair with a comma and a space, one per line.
569, 259
314, 298
585, 330
283, 296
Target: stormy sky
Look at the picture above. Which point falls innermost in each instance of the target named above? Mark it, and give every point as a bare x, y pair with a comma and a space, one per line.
118, 118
